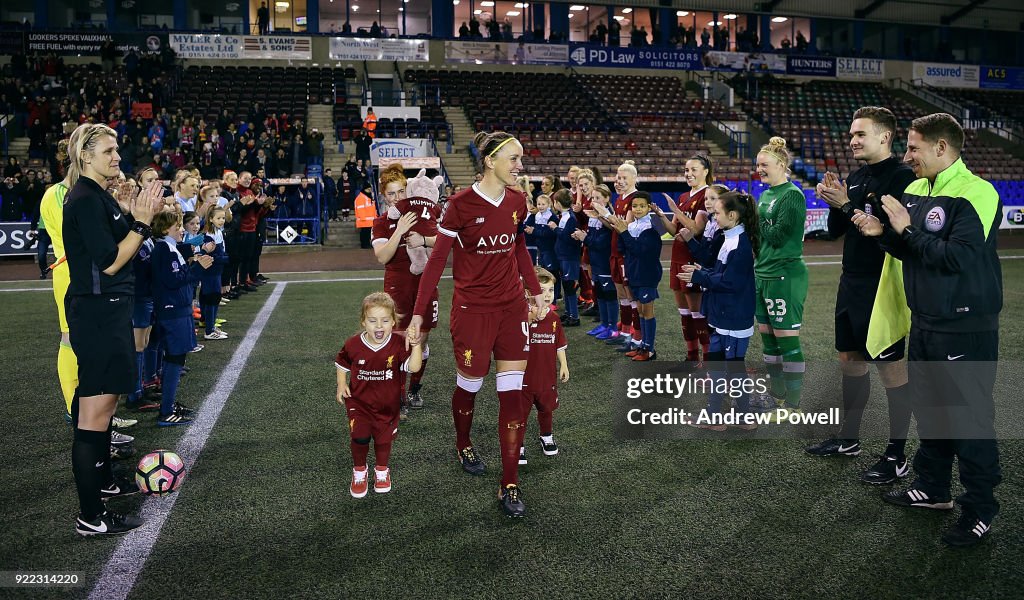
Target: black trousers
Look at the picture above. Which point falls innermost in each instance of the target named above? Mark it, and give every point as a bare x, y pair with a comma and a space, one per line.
952, 376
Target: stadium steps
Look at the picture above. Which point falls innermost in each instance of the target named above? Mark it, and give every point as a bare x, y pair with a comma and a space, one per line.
342, 235
18, 147
459, 163
322, 117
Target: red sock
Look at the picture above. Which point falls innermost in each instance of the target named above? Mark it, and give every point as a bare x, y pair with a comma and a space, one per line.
359, 452
586, 287
701, 325
382, 452
625, 318
690, 335
638, 334
462, 414
545, 421
415, 378
510, 426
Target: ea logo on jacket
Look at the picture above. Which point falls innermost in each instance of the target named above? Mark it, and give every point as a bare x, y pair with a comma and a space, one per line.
935, 219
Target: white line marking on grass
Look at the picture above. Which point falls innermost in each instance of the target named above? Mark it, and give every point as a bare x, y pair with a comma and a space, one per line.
125, 565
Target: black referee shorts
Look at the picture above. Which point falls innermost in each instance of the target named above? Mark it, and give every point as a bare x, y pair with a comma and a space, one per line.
103, 340
854, 301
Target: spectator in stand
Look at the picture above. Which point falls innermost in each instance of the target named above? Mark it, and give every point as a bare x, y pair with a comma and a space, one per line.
10, 205
370, 123
283, 201
330, 198
366, 212
315, 147
298, 159
282, 167
263, 18
128, 153
304, 207
13, 168
345, 188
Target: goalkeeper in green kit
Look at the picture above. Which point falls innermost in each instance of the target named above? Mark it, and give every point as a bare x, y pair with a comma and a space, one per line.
781, 278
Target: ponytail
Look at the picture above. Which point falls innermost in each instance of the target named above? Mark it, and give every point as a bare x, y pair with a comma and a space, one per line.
83, 140
746, 207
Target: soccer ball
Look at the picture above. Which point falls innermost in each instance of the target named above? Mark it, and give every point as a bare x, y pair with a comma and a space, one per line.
160, 472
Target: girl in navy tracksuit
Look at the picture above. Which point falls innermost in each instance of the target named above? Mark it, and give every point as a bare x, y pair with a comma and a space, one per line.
210, 291
729, 300
568, 250
174, 278
537, 225
598, 240
640, 242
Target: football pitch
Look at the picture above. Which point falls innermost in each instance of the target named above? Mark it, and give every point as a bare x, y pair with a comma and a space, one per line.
265, 510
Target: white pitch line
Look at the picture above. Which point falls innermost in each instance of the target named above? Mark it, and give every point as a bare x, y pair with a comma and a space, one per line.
126, 563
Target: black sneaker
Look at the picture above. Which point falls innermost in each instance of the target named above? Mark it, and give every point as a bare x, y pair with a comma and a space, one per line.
119, 487
173, 419
835, 447
590, 312
522, 455
913, 497
403, 411
887, 470
549, 449
414, 400
262, 278
967, 531
181, 408
571, 322
471, 463
512, 501
109, 523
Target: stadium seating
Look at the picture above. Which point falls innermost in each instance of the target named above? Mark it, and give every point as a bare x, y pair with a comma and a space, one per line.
814, 118
205, 90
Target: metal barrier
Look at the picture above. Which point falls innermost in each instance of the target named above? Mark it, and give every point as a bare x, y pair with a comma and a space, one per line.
307, 230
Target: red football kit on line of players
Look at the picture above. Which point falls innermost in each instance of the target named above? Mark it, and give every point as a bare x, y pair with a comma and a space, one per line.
489, 311
690, 203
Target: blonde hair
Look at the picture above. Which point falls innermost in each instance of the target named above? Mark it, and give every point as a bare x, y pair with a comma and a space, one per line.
777, 147
586, 174
83, 139
544, 197
630, 167
379, 300
604, 191
207, 188
544, 277
524, 184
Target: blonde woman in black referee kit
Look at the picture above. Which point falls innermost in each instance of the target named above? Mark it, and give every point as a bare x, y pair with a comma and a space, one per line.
100, 241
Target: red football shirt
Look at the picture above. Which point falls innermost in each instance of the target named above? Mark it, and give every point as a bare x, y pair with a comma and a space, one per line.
621, 208
485, 270
690, 203
383, 229
376, 374
428, 212
547, 337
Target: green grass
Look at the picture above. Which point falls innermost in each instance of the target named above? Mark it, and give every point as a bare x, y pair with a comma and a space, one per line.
266, 512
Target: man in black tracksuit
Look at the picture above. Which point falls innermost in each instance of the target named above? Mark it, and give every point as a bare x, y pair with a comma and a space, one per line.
944, 230
871, 135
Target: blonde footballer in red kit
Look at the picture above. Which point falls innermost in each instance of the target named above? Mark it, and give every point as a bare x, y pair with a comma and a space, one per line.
483, 227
